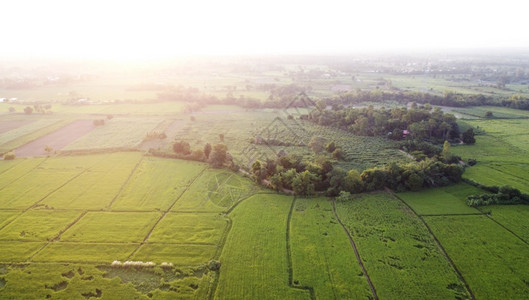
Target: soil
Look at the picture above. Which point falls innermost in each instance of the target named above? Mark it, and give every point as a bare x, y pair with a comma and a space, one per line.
57, 139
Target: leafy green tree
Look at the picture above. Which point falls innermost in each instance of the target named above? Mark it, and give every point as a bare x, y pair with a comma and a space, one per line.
338, 154
446, 154
207, 150
182, 147
316, 144
468, 136
217, 158
303, 183
330, 147
28, 110
414, 182
353, 182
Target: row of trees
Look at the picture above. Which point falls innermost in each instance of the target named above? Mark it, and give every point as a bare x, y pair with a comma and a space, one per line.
306, 178
217, 156
417, 122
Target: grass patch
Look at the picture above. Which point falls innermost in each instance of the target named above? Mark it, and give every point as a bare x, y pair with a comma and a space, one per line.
84, 252
493, 261
14, 251
112, 227
118, 132
180, 255
322, 256
394, 243
445, 200
189, 228
38, 225
157, 183
513, 217
95, 188
254, 261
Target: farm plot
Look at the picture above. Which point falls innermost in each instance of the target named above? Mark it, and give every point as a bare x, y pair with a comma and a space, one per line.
17, 251
6, 216
38, 225
254, 261
111, 227
11, 170
8, 125
189, 228
32, 188
215, 190
492, 260
445, 200
156, 184
501, 153
24, 134
84, 252
322, 257
393, 243
179, 255
97, 185
116, 133
56, 140
514, 217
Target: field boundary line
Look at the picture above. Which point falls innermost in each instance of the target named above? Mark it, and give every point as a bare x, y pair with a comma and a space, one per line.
453, 215
489, 215
443, 251
56, 189
26, 173
357, 254
109, 205
19, 162
218, 252
58, 236
164, 213
41, 132
290, 267
40, 200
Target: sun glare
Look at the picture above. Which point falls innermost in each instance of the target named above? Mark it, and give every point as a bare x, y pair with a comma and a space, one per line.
139, 29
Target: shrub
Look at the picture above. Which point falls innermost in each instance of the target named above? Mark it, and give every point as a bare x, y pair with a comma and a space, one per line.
100, 122
214, 265
9, 156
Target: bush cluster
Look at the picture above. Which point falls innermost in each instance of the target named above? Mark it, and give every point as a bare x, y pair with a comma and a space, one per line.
502, 195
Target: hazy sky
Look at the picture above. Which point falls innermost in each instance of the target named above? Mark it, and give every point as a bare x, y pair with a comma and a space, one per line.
143, 29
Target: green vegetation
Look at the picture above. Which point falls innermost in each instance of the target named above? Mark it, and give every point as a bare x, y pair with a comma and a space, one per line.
254, 261
500, 152
513, 217
322, 257
484, 252
394, 243
156, 184
118, 132
138, 225
440, 201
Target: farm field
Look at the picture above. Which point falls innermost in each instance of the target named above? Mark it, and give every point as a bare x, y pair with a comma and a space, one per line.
322, 257
254, 261
501, 152
513, 217
62, 223
41, 126
491, 259
116, 133
442, 201
394, 243
56, 140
